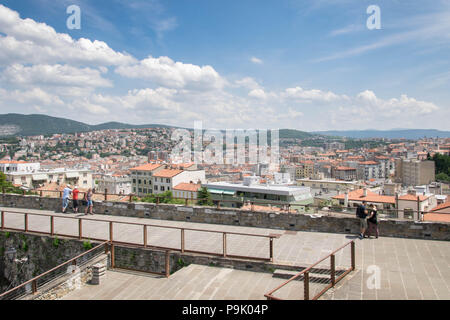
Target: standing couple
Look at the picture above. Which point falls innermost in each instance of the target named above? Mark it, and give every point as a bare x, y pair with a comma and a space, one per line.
368, 220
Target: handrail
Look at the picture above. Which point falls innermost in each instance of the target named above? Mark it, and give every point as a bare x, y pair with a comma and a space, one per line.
144, 225
270, 296
140, 224
53, 269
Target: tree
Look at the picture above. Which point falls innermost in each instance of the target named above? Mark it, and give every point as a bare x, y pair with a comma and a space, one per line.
204, 197
442, 164
442, 177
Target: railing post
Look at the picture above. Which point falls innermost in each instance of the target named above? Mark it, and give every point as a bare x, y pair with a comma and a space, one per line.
306, 285
131, 198
40, 193
3, 220
52, 225
271, 249
106, 194
167, 263
145, 236
60, 194
333, 269
34, 286
26, 222
352, 245
112, 256
224, 244
111, 231
182, 240
80, 229
186, 202
218, 204
157, 200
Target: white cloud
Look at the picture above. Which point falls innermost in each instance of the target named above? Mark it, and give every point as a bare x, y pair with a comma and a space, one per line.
164, 71
248, 83
28, 41
257, 93
301, 94
35, 96
256, 60
54, 75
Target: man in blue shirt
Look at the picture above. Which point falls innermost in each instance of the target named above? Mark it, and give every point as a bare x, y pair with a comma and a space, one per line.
65, 200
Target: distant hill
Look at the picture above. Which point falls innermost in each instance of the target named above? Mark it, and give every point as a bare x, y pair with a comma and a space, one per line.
412, 134
14, 124
294, 134
36, 124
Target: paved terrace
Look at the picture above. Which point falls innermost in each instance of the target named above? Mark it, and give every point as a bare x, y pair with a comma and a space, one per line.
409, 268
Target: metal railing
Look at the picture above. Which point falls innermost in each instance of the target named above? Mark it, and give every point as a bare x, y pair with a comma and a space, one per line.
321, 278
33, 285
144, 243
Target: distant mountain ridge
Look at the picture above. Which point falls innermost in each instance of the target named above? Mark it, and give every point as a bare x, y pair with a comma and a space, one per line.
37, 124
14, 124
412, 134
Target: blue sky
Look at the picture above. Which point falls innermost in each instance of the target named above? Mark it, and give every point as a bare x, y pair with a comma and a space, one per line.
307, 65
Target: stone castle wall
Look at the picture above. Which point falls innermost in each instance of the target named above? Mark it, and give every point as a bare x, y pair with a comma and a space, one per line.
327, 222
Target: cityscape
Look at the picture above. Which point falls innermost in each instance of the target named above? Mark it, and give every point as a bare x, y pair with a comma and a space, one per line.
218, 170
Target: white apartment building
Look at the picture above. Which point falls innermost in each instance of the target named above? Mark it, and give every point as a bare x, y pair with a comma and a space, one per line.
19, 166
167, 179
115, 184
367, 170
33, 180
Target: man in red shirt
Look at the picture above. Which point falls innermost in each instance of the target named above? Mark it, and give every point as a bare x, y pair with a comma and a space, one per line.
75, 192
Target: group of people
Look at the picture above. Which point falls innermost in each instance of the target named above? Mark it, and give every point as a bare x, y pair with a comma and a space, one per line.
368, 220
86, 201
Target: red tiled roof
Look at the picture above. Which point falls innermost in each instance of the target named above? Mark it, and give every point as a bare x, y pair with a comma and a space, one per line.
147, 167
410, 197
167, 173
441, 217
187, 186
358, 195
12, 162
444, 205
345, 168
368, 162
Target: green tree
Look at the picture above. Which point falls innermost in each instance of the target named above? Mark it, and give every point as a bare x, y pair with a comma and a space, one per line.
204, 197
442, 164
442, 177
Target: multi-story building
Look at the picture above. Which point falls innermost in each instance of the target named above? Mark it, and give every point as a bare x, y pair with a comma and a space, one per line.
115, 184
166, 179
186, 190
61, 176
155, 178
19, 167
305, 170
367, 170
414, 172
236, 194
142, 177
344, 173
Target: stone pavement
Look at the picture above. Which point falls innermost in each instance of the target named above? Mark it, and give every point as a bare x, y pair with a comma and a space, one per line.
406, 268
190, 283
